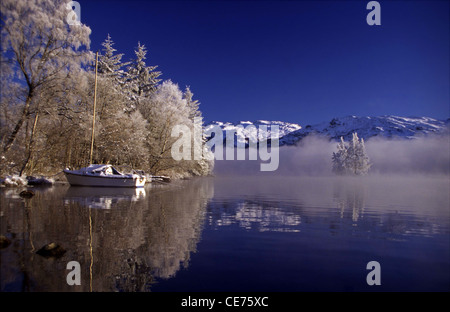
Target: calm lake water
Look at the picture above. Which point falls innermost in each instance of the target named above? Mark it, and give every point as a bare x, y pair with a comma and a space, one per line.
232, 234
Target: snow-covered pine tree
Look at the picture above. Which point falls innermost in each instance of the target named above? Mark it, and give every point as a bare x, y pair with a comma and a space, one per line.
351, 158
141, 79
111, 95
363, 164
193, 105
205, 165
357, 161
110, 64
339, 158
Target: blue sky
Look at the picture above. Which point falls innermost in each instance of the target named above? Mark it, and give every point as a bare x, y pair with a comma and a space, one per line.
295, 61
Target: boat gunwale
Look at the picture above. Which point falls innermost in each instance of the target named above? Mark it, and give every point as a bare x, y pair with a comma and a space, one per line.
95, 175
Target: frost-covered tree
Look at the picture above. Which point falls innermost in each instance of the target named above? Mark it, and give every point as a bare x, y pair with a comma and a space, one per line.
357, 161
62, 136
339, 158
351, 158
163, 110
141, 80
111, 95
109, 63
193, 105
205, 165
41, 48
121, 140
47, 94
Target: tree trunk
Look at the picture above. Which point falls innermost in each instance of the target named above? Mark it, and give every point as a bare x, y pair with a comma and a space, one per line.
30, 146
19, 123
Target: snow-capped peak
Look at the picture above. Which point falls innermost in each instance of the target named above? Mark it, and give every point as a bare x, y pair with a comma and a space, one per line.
253, 130
367, 126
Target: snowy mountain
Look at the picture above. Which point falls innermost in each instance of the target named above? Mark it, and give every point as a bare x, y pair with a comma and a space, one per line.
366, 127
244, 131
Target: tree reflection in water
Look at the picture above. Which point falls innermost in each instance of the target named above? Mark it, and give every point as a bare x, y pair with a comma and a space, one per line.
123, 239
350, 196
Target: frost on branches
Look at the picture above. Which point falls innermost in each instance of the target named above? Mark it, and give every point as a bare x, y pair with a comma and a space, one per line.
141, 79
40, 49
47, 87
351, 158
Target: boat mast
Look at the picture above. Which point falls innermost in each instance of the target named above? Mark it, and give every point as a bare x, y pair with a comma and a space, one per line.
95, 100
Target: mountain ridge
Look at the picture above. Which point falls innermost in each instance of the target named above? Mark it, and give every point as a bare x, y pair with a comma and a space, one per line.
387, 126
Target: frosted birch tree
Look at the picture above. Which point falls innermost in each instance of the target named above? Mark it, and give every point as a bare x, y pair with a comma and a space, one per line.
41, 48
163, 110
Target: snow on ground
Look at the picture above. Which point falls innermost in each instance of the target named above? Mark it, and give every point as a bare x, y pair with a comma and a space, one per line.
16, 180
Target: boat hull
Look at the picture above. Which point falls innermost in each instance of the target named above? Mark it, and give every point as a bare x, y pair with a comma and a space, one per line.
76, 179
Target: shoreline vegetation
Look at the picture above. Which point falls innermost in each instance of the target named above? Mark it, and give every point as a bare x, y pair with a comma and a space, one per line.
47, 95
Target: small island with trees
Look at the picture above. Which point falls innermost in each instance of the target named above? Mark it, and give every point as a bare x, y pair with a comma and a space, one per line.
351, 158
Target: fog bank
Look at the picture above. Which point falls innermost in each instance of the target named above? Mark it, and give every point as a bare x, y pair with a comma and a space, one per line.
312, 157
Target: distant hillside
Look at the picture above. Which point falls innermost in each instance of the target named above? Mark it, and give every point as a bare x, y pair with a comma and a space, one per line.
366, 127
243, 131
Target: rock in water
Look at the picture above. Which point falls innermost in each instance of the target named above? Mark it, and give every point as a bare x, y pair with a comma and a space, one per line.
26, 194
4, 242
51, 250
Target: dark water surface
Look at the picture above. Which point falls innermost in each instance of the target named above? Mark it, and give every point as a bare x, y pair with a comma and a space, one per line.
232, 234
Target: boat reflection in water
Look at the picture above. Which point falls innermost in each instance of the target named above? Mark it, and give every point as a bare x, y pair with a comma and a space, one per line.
137, 237
103, 197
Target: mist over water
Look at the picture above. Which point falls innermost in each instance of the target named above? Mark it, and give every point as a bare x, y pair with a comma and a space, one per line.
312, 157
429, 155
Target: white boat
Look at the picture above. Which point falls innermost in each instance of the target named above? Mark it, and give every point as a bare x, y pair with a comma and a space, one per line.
103, 175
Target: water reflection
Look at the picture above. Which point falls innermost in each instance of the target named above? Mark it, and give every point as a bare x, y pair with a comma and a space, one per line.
127, 245
128, 241
392, 207
262, 217
102, 198
350, 197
